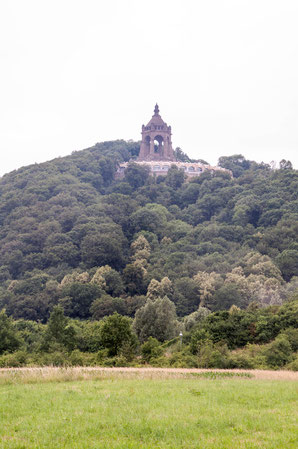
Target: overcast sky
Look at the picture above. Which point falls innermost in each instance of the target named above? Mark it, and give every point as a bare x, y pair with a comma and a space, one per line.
73, 73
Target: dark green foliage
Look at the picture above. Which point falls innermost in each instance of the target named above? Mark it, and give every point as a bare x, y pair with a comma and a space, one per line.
151, 349
78, 297
238, 327
237, 163
59, 331
186, 296
227, 296
133, 276
9, 338
175, 177
136, 175
115, 332
279, 352
106, 305
288, 263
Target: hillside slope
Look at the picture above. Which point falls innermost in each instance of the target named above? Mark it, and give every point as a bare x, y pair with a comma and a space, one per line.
214, 241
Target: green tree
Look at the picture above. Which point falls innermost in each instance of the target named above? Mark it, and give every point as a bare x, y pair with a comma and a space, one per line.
79, 298
151, 349
59, 331
156, 319
9, 338
106, 305
175, 177
136, 175
115, 332
285, 165
288, 263
237, 163
279, 352
102, 249
133, 276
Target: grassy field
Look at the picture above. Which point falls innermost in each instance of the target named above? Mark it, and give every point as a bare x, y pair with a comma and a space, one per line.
126, 410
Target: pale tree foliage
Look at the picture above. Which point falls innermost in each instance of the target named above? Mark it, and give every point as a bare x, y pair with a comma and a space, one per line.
160, 289
140, 250
83, 277
237, 277
207, 284
12, 285
266, 291
196, 317
157, 319
256, 263
141, 263
68, 279
99, 276
234, 310
166, 241
290, 288
52, 286
153, 289
264, 279
75, 277
166, 286
263, 282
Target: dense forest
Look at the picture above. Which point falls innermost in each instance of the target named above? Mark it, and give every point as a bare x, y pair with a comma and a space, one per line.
161, 253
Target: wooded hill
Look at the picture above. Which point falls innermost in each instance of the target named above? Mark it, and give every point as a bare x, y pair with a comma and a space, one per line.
70, 234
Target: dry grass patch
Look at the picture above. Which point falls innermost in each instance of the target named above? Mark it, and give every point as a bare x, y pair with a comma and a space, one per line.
71, 374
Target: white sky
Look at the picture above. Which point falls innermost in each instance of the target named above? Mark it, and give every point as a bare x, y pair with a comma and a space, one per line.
73, 73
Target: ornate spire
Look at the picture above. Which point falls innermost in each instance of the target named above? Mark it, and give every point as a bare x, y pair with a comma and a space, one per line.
156, 109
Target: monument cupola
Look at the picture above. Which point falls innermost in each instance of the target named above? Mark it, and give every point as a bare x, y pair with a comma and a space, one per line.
156, 142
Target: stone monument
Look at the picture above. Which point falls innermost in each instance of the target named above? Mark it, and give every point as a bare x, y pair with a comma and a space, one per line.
156, 144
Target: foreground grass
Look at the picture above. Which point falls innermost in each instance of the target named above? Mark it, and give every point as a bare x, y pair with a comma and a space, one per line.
133, 412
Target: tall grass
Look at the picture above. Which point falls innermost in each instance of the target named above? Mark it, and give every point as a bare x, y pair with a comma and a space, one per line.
148, 409
71, 374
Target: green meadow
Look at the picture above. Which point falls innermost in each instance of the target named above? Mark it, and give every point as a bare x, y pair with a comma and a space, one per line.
132, 412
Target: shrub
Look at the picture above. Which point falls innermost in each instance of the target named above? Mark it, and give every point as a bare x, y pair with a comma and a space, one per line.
14, 360
181, 360
151, 349
241, 360
212, 356
291, 335
115, 331
293, 366
279, 352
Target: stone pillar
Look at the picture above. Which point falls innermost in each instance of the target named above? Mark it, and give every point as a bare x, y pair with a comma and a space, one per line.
151, 146
165, 147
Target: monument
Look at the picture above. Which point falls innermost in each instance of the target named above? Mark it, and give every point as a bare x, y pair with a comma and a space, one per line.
156, 144
156, 152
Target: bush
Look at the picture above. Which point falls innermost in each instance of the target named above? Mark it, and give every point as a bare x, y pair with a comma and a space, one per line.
291, 335
293, 366
241, 360
14, 360
160, 362
279, 352
182, 360
197, 338
151, 349
115, 331
78, 358
212, 356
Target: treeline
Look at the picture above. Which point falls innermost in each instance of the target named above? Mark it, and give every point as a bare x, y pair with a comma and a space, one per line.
252, 338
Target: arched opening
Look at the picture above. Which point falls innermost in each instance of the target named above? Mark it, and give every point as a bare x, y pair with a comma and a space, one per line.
158, 145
